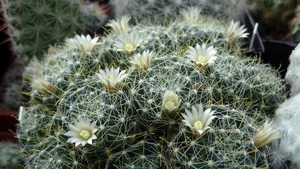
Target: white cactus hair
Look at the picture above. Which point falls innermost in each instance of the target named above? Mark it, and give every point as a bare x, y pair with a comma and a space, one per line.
292, 75
286, 149
287, 122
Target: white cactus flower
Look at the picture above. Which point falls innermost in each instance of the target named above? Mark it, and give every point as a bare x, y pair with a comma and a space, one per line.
120, 25
84, 43
82, 132
34, 68
170, 101
127, 43
111, 78
43, 86
265, 135
201, 55
235, 32
52, 55
191, 15
142, 61
198, 120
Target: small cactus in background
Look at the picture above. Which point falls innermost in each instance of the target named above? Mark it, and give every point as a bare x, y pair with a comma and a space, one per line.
37, 24
285, 151
274, 17
11, 97
140, 99
10, 156
34, 25
294, 24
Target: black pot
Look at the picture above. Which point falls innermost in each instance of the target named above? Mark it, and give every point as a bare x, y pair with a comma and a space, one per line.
277, 54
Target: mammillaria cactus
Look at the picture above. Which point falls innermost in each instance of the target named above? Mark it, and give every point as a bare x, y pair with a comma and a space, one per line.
136, 99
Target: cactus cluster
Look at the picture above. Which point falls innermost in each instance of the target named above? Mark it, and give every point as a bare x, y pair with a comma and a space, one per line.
175, 96
10, 155
145, 10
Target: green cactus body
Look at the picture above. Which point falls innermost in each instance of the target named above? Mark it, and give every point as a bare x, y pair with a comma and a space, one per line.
227, 144
38, 24
134, 103
34, 25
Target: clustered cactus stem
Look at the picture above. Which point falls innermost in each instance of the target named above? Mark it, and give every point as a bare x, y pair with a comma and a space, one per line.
151, 96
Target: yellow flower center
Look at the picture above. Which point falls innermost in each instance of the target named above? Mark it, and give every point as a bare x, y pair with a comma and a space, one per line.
170, 104
202, 59
85, 134
111, 77
128, 46
198, 125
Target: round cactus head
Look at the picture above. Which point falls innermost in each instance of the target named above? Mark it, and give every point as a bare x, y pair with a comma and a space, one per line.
176, 96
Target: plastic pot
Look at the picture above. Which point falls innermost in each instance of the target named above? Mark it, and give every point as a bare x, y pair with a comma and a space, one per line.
277, 54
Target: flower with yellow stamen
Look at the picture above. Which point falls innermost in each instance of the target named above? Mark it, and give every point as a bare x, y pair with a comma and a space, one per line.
198, 120
128, 43
170, 101
82, 132
202, 55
